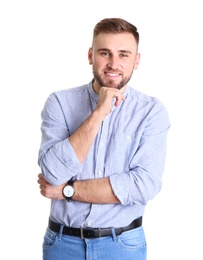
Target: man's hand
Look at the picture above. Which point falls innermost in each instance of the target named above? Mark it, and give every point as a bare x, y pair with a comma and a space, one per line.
48, 190
106, 95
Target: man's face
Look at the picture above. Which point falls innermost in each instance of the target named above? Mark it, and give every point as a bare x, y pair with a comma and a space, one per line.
113, 58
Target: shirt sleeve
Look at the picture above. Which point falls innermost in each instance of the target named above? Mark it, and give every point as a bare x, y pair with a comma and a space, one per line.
57, 158
143, 180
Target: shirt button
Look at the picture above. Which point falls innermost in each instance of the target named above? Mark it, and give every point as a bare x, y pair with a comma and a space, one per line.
99, 173
89, 224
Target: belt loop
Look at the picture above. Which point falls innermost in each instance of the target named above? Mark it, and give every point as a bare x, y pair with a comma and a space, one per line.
99, 232
60, 231
115, 238
81, 233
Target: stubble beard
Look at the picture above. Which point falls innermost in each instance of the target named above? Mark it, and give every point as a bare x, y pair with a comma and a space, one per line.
111, 83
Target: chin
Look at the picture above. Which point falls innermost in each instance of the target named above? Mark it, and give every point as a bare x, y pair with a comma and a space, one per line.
112, 85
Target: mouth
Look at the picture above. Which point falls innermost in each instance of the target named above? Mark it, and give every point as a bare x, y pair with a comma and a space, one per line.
112, 75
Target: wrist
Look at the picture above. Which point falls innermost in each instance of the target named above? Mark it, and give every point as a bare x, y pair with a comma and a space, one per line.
68, 191
99, 114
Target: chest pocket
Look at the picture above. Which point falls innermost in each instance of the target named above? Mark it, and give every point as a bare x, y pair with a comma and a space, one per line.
120, 150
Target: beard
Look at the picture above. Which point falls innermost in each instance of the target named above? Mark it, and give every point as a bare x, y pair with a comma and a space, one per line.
111, 83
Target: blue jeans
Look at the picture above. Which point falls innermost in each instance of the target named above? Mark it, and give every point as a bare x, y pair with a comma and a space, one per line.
130, 245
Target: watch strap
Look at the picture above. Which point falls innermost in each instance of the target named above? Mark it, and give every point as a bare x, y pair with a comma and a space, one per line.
70, 183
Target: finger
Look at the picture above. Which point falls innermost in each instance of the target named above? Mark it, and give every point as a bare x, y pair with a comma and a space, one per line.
40, 176
41, 181
119, 98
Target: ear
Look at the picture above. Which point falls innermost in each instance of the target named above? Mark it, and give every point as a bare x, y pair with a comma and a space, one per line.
137, 61
90, 56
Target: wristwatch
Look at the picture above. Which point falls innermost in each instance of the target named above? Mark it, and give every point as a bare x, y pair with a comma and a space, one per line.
68, 191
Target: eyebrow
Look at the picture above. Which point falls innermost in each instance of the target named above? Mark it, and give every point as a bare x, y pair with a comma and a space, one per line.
122, 51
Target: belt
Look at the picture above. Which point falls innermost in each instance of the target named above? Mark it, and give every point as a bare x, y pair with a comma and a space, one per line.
93, 232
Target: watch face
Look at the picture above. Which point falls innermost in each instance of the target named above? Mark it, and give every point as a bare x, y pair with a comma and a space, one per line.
68, 191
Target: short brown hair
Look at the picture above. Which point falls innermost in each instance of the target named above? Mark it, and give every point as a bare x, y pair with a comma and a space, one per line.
115, 25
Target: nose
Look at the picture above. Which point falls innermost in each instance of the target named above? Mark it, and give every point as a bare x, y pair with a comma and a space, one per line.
113, 62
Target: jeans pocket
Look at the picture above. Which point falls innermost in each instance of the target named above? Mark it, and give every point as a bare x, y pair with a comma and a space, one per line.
49, 238
133, 239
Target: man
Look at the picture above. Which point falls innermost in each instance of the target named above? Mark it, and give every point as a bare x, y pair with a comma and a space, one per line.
102, 155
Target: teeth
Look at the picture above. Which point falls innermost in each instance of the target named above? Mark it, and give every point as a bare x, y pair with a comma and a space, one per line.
113, 75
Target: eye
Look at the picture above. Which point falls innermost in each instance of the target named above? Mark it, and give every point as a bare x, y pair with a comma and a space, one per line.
104, 53
123, 55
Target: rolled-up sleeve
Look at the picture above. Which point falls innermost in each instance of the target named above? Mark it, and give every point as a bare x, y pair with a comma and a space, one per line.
143, 180
57, 158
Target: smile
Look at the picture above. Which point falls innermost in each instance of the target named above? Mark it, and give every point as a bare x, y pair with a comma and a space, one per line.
112, 74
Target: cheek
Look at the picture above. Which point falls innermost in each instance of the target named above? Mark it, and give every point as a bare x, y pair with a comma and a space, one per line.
98, 65
129, 68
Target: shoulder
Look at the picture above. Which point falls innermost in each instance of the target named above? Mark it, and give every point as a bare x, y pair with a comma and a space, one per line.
70, 91
69, 94
149, 105
142, 98
65, 98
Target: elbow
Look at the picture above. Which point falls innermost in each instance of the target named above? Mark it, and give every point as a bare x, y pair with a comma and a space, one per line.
144, 192
50, 175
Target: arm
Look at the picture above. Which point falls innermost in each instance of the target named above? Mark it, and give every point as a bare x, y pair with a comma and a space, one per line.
82, 139
96, 190
65, 141
142, 180
138, 185
90, 191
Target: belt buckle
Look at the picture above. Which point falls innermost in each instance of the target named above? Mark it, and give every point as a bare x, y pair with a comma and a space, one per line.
97, 231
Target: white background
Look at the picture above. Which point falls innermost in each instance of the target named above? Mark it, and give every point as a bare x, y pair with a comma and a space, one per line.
43, 48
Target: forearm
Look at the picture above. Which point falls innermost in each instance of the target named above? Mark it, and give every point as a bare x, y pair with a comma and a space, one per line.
82, 139
64, 159
97, 191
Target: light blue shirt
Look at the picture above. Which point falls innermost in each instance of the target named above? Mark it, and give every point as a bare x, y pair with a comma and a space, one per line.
130, 149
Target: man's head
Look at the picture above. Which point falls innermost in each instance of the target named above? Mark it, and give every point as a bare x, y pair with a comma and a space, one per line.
114, 53
114, 26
